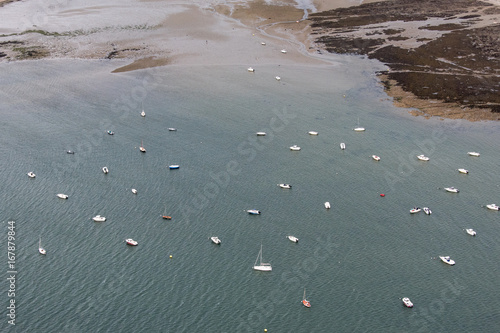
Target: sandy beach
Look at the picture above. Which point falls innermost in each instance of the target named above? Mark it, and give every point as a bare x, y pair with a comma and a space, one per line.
247, 33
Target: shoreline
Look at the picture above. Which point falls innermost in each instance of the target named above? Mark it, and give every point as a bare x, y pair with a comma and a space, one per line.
242, 27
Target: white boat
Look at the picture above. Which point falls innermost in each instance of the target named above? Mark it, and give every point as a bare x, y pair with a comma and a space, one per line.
293, 238
327, 205
471, 232
415, 210
130, 241
358, 128
134, 191
173, 166
171, 129
105, 169
99, 218
313, 133
111, 133
253, 212
376, 158
492, 207
215, 240
447, 260
452, 189
70, 152
342, 145
427, 210
295, 147
277, 78
62, 196
251, 70
143, 114
423, 158
473, 153
262, 43
264, 267
305, 302
141, 148
31, 174
40, 248
463, 171
283, 51
288, 186
261, 133
407, 302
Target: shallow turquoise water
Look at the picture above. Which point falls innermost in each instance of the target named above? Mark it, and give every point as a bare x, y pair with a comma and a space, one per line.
356, 260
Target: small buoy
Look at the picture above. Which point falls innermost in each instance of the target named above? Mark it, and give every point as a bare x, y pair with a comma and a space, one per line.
170, 256
382, 194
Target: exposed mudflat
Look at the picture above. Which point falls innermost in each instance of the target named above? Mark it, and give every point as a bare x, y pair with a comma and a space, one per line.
444, 55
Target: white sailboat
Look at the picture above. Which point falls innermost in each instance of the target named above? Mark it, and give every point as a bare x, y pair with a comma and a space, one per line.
143, 114
264, 267
40, 248
358, 128
141, 148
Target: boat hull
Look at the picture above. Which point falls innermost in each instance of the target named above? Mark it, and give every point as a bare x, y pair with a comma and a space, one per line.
263, 268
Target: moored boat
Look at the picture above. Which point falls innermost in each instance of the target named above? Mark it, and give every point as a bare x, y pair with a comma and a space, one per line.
130, 241
111, 132
215, 240
295, 147
327, 205
293, 238
463, 171
427, 210
423, 158
342, 145
253, 212
452, 189
447, 260
99, 218
283, 51
31, 174
305, 302
407, 302
261, 133
166, 217
70, 152
492, 207
141, 148
134, 191
62, 196
40, 248
105, 169
287, 186
263, 267
376, 158
471, 232
251, 70
313, 133
171, 129
278, 78
415, 210
173, 166
473, 153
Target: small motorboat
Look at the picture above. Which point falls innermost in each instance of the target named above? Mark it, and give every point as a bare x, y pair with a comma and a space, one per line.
171, 129
415, 210
293, 239
40, 248
287, 186
452, 189
427, 210
215, 240
463, 171
423, 158
359, 129
471, 232
131, 242
261, 133
473, 153
173, 166
342, 145
62, 196
134, 191
313, 133
447, 260
166, 217
492, 207
105, 169
295, 147
376, 158
407, 302
70, 152
283, 51
143, 114
262, 43
31, 174
111, 133
99, 218
253, 212
277, 78
327, 205
251, 70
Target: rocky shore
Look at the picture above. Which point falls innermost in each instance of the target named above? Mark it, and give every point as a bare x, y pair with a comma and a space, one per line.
444, 56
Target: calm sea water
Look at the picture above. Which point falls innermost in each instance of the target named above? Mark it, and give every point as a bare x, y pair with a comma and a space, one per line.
355, 260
